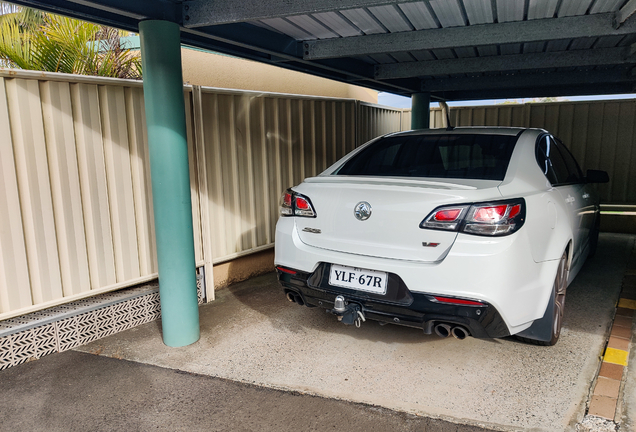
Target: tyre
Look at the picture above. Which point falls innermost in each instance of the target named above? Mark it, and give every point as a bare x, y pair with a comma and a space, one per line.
546, 331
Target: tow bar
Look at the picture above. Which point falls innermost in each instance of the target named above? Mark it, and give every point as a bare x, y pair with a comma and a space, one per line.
347, 313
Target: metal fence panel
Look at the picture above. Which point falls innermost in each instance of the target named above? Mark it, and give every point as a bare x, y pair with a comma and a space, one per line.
600, 134
15, 285
119, 180
142, 187
36, 202
254, 147
375, 120
75, 190
92, 171
65, 186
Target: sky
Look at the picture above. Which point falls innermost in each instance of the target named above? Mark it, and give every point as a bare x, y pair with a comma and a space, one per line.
396, 101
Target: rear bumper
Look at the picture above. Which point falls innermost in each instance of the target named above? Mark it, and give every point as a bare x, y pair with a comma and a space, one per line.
497, 271
398, 306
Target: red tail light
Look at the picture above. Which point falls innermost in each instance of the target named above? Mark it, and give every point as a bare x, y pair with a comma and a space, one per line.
490, 214
302, 204
448, 215
295, 204
286, 204
487, 219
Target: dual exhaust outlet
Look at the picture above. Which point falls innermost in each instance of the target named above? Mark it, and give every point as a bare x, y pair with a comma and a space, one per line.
350, 314
445, 330
295, 298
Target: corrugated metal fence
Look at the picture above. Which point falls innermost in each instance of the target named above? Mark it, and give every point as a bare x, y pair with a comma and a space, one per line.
75, 197
600, 134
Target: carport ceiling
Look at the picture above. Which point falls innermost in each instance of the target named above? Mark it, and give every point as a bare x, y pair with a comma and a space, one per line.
454, 49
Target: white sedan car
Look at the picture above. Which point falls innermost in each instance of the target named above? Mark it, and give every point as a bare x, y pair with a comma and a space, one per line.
467, 231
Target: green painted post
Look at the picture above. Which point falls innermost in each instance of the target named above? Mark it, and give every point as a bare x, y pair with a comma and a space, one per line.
420, 111
166, 123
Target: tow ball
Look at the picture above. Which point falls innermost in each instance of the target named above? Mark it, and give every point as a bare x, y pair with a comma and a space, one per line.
347, 313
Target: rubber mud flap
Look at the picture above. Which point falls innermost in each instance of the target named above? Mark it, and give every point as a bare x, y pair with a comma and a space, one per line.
541, 329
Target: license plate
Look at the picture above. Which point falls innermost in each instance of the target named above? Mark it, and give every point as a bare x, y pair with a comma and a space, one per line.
358, 279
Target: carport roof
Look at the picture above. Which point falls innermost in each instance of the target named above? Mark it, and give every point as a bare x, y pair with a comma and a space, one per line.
453, 49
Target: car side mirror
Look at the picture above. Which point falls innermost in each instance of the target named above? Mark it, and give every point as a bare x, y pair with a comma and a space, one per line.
596, 176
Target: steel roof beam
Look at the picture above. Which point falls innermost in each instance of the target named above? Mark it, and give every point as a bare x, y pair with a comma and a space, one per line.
625, 12
198, 13
116, 13
496, 82
564, 59
531, 92
470, 36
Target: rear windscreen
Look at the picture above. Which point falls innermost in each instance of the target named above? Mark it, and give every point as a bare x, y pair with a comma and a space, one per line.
480, 157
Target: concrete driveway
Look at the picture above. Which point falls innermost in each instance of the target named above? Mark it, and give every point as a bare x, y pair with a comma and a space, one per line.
252, 334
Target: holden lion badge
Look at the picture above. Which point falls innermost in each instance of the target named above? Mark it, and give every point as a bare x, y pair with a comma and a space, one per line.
362, 210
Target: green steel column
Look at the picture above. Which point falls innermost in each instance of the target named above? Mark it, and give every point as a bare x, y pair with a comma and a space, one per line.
420, 111
166, 123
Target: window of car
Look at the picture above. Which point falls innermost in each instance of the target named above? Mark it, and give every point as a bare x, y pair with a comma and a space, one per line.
556, 162
465, 156
575, 175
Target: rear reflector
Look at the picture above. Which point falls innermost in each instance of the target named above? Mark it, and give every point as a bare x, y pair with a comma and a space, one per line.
286, 270
457, 301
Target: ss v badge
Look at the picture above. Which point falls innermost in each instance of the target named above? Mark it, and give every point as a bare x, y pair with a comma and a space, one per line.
312, 230
427, 244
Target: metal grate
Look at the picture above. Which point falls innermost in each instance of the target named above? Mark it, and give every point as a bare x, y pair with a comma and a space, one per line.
58, 329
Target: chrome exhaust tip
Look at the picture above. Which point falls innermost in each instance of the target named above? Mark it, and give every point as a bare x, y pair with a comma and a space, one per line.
459, 333
443, 330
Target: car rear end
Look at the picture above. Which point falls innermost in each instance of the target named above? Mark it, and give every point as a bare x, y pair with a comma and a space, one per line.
414, 231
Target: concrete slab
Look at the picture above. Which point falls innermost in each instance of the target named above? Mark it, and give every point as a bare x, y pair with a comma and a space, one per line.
253, 335
79, 392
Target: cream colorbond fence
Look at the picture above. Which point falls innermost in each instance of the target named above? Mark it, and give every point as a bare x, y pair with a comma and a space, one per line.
75, 196
600, 134
251, 147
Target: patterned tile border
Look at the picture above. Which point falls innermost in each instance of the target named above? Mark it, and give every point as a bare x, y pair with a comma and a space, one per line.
64, 327
607, 389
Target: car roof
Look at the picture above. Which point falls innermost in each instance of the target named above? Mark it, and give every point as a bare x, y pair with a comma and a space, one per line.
477, 130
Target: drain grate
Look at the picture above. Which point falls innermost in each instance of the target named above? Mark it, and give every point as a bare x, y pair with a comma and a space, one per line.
61, 328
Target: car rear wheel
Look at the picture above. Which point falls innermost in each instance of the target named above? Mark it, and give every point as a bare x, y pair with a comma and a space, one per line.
560, 287
554, 311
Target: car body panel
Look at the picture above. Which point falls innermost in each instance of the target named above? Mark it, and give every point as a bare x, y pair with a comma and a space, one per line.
392, 231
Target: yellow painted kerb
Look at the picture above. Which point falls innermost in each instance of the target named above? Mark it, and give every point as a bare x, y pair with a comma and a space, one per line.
627, 303
616, 356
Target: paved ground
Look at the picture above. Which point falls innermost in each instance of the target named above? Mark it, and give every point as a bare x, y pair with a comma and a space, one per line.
628, 406
252, 335
75, 391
